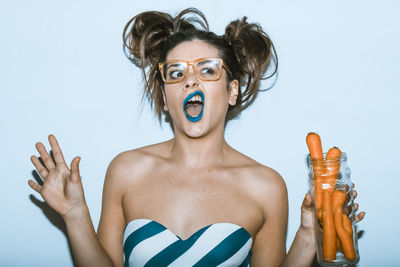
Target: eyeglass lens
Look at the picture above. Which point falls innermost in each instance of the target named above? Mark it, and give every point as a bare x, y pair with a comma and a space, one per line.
208, 70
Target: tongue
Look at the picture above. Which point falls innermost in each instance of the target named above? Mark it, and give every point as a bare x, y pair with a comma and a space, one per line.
193, 110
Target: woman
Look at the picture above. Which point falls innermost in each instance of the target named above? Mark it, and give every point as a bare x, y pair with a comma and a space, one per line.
192, 200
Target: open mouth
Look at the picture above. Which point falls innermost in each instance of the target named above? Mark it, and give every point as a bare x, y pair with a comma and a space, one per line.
193, 106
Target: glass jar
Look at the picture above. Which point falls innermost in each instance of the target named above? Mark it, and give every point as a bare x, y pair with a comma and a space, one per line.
331, 190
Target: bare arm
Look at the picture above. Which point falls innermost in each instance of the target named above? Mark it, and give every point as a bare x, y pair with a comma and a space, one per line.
302, 250
269, 248
112, 221
86, 249
62, 190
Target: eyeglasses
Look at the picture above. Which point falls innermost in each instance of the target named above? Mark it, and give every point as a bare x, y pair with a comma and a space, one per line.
206, 69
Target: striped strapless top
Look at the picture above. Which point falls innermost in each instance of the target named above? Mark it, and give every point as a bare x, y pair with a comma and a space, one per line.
149, 243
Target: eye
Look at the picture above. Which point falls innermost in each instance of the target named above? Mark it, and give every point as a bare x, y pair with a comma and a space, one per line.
175, 71
175, 74
208, 70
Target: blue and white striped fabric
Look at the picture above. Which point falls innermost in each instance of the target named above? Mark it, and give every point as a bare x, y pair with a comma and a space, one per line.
148, 243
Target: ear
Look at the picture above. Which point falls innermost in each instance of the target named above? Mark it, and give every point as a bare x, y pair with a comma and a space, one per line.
233, 92
165, 101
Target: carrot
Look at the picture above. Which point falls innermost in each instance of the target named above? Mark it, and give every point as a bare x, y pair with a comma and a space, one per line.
345, 239
333, 153
332, 166
338, 199
342, 225
328, 230
314, 146
347, 225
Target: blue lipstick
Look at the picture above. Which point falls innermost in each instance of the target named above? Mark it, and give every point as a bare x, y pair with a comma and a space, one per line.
198, 117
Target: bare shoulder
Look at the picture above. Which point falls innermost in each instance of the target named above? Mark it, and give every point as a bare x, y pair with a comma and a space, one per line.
264, 183
133, 164
268, 179
257, 174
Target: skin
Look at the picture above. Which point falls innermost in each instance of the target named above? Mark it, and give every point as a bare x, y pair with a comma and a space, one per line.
145, 183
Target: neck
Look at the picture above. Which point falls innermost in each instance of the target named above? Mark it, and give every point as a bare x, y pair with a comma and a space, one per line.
199, 152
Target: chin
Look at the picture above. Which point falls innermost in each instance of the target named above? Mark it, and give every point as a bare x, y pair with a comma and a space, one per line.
195, 132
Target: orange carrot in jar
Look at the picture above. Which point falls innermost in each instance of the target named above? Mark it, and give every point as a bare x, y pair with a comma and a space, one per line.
314, 146
333, 153
338, 199
332, 166
342, 231
345, 239
347, 225
328, 230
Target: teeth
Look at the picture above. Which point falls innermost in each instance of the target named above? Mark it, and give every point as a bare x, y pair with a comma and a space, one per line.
196, 98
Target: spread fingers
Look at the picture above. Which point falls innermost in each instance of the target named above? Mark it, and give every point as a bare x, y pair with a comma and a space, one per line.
48, 161
57, 153
39, 167
34, 186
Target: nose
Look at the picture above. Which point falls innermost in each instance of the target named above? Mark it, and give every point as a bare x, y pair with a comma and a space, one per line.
191, 79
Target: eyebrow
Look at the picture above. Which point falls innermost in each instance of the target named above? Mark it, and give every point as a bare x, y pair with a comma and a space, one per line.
175, 64
204, 62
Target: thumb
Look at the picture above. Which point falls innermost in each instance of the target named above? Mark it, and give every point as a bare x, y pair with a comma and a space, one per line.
75, 176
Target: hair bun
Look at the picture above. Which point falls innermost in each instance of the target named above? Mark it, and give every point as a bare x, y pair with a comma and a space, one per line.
145, 33
254, 51
249, 42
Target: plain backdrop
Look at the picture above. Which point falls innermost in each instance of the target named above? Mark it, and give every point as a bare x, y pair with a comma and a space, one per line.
63, 71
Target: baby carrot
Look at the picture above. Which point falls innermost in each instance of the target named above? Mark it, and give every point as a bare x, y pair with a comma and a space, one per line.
328, 230
332, 166
313, 141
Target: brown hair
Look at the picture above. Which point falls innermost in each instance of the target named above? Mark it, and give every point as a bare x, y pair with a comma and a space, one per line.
245, 48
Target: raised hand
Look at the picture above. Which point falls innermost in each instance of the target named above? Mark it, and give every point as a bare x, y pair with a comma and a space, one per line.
62, 188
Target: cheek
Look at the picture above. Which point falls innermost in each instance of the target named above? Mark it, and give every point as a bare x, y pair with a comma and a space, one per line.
218, 98
170, 96
172, 101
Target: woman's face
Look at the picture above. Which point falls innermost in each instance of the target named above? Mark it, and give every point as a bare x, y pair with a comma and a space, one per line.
198, 107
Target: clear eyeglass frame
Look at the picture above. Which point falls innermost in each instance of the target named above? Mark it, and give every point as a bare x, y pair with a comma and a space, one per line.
193, 63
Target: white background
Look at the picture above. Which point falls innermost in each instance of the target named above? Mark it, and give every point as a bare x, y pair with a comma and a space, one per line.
63, 71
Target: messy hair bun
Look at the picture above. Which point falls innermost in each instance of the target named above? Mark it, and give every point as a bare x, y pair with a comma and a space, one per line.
254, 52
145, 33
245, 48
